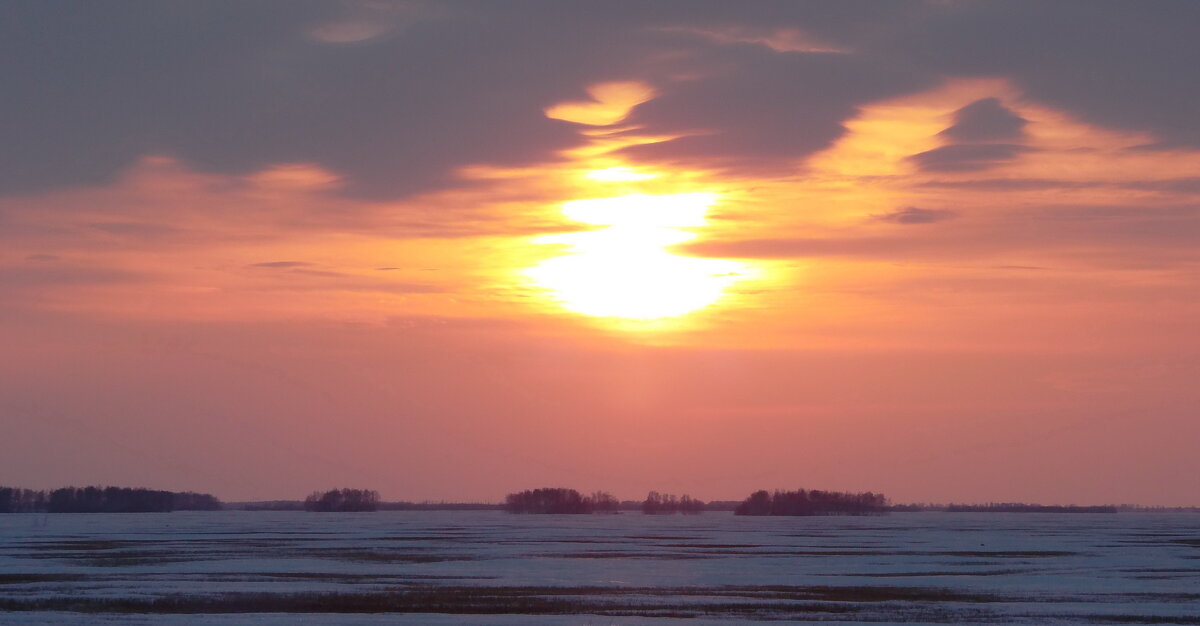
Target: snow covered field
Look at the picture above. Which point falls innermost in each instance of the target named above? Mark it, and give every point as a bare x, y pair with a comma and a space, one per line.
435, 568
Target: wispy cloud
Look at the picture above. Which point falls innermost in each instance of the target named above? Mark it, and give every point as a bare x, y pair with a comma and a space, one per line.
914, 215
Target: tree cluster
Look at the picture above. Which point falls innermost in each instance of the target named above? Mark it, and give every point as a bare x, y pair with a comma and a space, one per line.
192, 501
342, 501
803, 502
1021, 507
13, 500
557, 500
666, 504
604, 502
103, 500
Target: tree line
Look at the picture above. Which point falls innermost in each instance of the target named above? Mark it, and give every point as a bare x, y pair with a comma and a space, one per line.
103, 500
1021, 507
342, 501
665, 504
814, 502
559, 501
562, 501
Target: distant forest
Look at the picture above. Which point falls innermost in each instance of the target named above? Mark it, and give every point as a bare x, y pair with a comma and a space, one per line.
546, 500
1012, 507
559, 501
342, 501
103, 500
666, 504
803, 502
299, 505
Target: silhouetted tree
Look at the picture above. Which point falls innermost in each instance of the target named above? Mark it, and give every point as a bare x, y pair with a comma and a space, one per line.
14, 500
660, 504
604, 502
814, 502
759, 503
342, 501
1021, 507
690, 506
103, 500
191, 501
550, 500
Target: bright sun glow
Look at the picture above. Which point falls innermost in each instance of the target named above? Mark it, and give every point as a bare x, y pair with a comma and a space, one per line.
625, 270
619, 174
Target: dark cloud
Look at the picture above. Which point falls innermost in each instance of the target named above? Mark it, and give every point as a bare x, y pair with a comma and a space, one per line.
394, 97
234, 88
760, 109
1113, 62
914, 215
983, 121
967, 157
977, 129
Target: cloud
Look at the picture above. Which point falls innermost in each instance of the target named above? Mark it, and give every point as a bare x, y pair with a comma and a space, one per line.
1085, 236
610, 103
760, 110
985, 120
914, 215
358, 22
1011, 184
1112, 63
1188, 185
812, 247
300, 277
777, 39
967, 157
305, 280
394, 99
232, 89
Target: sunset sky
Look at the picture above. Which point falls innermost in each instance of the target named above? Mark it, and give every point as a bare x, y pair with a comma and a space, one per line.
946, 249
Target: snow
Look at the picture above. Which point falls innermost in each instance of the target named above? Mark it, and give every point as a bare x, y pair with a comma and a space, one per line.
1044, 567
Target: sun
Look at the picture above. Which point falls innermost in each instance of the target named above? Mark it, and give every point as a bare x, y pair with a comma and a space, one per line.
626, 270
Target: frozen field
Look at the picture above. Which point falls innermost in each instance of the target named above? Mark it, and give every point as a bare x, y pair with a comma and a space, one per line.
491, 568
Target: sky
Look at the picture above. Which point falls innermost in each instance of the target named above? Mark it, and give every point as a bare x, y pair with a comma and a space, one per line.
944, 250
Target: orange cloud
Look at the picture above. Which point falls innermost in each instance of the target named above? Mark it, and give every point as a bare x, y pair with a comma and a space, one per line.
610, 103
